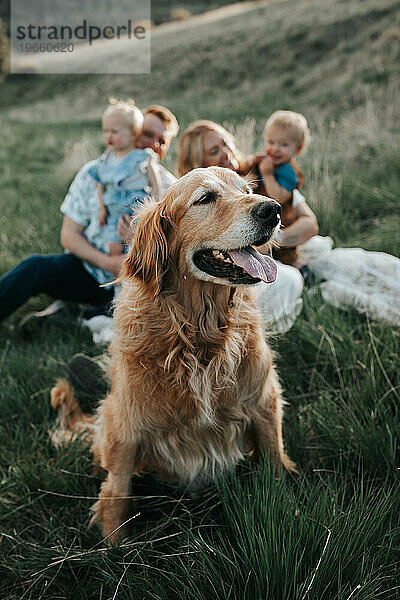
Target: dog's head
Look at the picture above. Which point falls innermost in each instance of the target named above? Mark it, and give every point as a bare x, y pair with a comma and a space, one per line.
206, 227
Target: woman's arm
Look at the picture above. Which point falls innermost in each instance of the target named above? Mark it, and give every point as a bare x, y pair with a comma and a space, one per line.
72, 239
303, 228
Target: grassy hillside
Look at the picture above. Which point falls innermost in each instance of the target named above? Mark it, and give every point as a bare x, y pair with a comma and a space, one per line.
331, 533
277, 49
161, 10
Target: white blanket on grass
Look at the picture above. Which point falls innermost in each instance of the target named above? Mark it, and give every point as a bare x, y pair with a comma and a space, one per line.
366, 281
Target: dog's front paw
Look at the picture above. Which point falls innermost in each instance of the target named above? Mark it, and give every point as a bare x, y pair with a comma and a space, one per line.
111, 515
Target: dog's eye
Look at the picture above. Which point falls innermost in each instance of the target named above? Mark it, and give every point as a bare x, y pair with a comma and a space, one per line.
206, 198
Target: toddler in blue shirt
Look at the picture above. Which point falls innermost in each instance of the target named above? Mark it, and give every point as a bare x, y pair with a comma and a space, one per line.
286, 135
125, 175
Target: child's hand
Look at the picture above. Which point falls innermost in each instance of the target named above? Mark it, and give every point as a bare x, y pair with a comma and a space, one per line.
256, 159
103, 215
250, 162
266, 166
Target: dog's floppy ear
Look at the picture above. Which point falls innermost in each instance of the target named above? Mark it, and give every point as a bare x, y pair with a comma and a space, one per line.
148, 257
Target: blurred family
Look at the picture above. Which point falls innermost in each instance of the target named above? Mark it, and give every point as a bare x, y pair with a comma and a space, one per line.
105, 194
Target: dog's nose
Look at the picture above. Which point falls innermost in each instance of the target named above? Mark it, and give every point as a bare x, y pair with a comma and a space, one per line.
267, 212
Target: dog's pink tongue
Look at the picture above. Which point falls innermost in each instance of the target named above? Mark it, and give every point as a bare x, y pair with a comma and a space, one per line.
255, 264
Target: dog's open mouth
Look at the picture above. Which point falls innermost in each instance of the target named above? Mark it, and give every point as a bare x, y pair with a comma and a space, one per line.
244, 266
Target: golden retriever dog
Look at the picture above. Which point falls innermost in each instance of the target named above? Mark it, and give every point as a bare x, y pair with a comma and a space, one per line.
194, 388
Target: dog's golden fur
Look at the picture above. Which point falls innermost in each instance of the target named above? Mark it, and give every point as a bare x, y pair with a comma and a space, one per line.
194, 388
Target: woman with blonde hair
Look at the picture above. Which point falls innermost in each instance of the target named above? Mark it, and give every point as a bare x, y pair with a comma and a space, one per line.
206, 144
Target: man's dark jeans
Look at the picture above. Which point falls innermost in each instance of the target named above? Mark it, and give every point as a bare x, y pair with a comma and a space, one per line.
62, 276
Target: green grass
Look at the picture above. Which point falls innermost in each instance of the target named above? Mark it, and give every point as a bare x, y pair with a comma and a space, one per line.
333, 531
